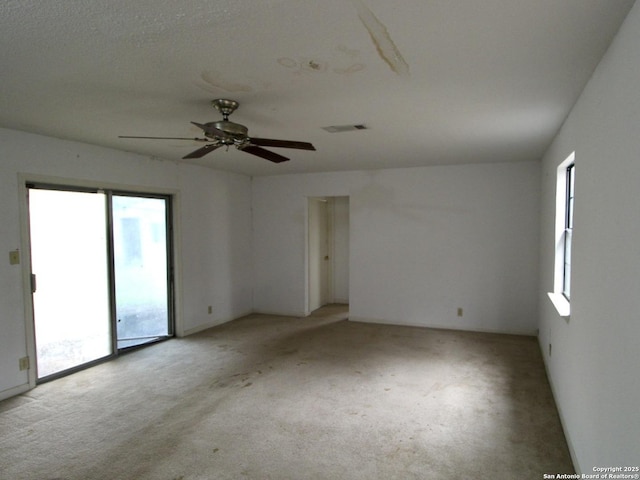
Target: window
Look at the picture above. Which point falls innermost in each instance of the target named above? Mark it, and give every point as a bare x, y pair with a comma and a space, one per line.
565, 192
568, 230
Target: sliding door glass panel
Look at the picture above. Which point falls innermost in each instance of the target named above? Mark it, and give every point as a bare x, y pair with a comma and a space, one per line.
141, 274
70, 265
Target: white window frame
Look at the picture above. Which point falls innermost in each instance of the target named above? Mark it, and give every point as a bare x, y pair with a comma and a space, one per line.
570, 173
563, 234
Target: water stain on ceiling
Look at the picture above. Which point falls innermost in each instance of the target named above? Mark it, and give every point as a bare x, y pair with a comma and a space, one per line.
380, 37
343, 64
216, 80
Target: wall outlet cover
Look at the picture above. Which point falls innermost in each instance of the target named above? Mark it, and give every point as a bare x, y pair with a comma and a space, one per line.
14, 257
24, 363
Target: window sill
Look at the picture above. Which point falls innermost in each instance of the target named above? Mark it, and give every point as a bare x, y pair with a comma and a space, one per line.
561, 303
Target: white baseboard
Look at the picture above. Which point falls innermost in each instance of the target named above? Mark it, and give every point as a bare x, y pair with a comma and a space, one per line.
567, 437
281, 313
12, 392
215, 323
206, 326
379, 321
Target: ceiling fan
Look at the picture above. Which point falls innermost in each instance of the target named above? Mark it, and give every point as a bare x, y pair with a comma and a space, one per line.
227, 133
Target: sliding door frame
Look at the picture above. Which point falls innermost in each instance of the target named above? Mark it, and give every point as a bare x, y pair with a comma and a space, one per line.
110, 193
172, 196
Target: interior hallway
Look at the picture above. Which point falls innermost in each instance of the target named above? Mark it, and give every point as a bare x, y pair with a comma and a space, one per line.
268, 397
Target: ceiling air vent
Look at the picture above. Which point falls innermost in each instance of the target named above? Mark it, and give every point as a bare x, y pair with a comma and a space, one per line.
344, 128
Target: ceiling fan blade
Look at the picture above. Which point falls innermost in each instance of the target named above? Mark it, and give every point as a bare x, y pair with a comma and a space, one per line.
201, 152
269, 142
209, 130
169, 138
266, 154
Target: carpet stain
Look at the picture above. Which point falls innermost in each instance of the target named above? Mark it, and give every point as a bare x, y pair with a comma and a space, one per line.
235, 380
289, 352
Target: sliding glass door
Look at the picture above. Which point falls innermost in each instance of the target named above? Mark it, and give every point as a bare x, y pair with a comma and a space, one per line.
141, 269
101, 275
70, 279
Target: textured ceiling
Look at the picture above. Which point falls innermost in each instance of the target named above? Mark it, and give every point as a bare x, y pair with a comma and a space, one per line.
434, 81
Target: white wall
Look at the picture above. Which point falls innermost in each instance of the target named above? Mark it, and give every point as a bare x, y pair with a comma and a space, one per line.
595, 356
216, 253
213, 237
423, 242
280, 237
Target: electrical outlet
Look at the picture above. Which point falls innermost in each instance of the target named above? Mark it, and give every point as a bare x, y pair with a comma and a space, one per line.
24, 363
459, 311
14, 257
210, 310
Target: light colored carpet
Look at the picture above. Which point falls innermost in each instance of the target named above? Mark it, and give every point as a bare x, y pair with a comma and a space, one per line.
268, 397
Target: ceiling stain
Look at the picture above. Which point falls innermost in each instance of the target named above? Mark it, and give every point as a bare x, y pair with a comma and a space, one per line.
314, 65
356, 67
303, 65
348, 51
381, 39
308, 65
352, 54
216, 80
287, 62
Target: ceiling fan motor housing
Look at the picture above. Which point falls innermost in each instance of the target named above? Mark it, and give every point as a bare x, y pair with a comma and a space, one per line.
234, 131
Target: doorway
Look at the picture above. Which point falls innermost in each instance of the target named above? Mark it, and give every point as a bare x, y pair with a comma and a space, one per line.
100, 270
328, 251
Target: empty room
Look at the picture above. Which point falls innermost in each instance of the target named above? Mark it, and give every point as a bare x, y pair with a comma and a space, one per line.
299, 240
